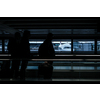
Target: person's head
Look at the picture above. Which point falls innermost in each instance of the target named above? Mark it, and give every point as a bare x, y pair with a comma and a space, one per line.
17, 35
26, 34
49, 36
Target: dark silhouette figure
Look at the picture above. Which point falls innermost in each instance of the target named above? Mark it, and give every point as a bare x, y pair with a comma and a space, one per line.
46, 50
25, 52
14, 48
5, 67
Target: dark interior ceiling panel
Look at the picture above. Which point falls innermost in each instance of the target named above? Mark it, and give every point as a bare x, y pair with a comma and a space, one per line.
14, 24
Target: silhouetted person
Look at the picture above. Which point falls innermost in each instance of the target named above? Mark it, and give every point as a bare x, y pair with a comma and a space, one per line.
6, 65
25, 52
5, 68
14, 48
46, 50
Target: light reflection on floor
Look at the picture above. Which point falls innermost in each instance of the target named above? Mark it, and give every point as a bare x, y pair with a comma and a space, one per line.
36, 79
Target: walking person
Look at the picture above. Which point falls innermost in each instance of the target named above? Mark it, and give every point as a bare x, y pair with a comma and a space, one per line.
46, 50
14, 48
25, 52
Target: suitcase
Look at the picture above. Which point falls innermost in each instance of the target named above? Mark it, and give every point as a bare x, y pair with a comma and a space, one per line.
45, 69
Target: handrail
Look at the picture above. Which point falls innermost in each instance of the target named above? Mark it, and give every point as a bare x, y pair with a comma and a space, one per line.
56, 58
90, 60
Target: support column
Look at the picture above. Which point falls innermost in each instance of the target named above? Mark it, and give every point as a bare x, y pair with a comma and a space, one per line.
72, 42
95, 46
2, 45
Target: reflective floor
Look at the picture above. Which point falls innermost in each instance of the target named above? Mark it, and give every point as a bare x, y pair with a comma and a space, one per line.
36, 79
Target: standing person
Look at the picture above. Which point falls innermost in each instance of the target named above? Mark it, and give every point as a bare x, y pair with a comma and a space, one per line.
14, 48
46, 50
5, 68
25, 52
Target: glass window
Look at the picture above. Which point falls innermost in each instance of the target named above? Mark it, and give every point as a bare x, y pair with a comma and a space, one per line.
59, 45
84, 31
32, 67
82, 68
34, 45
62, 45
38, 31
6, 45
98, 68
98, 45
0, 45
53, 31
83, 45
62, 67
61, 31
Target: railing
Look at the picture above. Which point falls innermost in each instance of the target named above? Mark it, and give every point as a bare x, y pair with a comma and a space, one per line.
77, 57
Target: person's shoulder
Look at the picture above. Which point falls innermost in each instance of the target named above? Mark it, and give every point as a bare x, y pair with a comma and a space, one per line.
42, 44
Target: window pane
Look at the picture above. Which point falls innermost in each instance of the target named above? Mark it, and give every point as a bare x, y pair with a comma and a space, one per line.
98, 68
38, 31
62, 67
6, 45
34, 45
83, 45
82, 68
61, 31
59, 45
84, 31
98, 45
0, 45
62, 46
32, 67
53, 31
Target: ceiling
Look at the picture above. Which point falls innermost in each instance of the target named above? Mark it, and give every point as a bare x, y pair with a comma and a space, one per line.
15, 24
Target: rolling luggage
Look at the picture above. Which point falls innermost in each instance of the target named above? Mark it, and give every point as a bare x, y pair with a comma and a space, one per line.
45, 69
